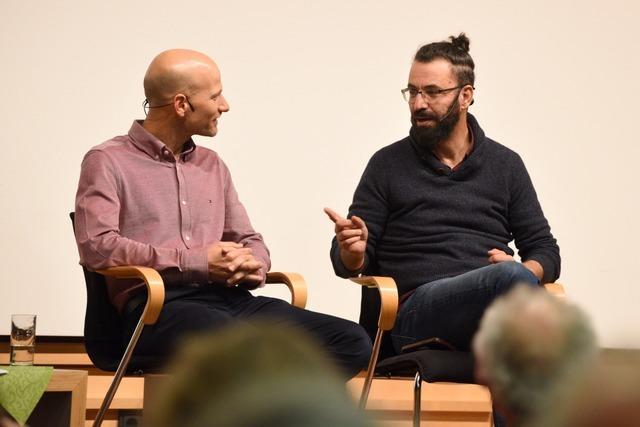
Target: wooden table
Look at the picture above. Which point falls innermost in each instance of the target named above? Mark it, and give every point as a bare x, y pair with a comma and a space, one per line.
64, 401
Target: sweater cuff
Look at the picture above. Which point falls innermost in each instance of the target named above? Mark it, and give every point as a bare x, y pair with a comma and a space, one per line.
340, 269
550, 274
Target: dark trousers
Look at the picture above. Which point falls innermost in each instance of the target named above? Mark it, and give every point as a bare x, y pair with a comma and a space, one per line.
190, 310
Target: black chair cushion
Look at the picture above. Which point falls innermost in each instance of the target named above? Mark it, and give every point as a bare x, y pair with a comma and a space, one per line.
433, 365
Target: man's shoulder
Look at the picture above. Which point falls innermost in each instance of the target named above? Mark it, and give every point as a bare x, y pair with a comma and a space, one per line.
488, 147
500, 152
399, 150
116, 144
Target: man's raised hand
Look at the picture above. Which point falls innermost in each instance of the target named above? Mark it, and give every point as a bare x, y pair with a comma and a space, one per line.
351, 235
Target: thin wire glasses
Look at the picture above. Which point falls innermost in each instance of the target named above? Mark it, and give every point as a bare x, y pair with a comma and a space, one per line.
428, 94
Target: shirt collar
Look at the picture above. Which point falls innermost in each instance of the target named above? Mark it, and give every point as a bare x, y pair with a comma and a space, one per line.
155, 148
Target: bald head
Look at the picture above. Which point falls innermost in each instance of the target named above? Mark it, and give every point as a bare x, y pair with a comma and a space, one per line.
176, 71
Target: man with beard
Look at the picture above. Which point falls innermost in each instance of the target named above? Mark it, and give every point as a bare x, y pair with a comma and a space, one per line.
437, 210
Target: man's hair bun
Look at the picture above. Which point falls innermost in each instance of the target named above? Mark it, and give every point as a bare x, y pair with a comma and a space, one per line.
461, 42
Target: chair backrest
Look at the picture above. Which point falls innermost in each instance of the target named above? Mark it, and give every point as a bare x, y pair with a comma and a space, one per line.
103, 329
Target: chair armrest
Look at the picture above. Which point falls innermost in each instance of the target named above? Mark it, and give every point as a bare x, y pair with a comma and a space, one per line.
388, 298
296, 284
155, 287
555, 289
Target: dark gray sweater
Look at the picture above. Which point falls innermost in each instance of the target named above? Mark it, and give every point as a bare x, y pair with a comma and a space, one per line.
427, 222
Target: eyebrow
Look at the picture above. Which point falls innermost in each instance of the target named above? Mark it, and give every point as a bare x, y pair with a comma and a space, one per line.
430, 86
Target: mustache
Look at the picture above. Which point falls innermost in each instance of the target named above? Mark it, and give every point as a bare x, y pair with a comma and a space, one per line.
424, 115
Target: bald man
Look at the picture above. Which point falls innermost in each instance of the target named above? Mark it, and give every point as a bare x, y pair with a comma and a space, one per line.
154, 198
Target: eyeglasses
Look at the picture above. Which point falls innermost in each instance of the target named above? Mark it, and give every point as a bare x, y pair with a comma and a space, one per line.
428, 94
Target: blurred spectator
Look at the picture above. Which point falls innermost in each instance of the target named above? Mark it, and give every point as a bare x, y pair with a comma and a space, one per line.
531, 349
247, 375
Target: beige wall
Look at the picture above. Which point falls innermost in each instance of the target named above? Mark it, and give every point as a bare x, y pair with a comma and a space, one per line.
314, 91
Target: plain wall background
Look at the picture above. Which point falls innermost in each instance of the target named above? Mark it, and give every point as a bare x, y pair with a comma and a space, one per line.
314, 89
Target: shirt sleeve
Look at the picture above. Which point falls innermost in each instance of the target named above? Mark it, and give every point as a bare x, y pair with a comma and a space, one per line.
100, 243
370, 204
530, 229
237, 226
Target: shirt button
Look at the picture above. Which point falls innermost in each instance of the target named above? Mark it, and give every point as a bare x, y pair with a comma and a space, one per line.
187, 238
184, 202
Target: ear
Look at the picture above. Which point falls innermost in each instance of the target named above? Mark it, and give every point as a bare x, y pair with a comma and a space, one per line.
180, 104
466, 97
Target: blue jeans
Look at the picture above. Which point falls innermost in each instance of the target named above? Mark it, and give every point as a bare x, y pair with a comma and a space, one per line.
451, 308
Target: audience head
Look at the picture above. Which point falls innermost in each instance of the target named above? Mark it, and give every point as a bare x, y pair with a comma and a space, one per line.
248, 375
532, 346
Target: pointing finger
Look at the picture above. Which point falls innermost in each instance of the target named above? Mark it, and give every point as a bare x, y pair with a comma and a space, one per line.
333, 216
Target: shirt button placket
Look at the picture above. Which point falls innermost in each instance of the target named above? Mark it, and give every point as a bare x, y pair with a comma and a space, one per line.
184, 210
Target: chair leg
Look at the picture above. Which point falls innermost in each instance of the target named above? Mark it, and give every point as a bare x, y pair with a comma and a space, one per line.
417, 399
122, 368
366, 387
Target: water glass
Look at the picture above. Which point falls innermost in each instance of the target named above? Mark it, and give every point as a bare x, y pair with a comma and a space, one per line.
23, 339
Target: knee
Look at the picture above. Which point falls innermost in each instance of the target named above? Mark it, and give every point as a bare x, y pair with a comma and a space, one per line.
360, 347
350, 346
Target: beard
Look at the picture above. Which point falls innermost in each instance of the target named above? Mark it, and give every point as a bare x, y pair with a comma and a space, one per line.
429, 138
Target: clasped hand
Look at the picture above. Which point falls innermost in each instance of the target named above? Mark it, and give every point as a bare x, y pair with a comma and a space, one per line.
231, 263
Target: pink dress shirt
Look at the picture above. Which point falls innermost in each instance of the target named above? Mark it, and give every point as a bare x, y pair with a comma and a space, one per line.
137, 205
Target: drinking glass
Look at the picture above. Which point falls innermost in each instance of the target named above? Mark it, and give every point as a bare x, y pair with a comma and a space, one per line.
23, 339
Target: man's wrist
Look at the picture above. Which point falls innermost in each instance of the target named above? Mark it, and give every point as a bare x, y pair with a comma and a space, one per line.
352, 263
535, 267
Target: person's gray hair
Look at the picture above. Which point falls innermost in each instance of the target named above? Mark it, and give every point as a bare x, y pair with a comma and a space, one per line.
532, 345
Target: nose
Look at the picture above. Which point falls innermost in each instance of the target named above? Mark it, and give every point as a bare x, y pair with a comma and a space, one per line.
224, 106
418, 102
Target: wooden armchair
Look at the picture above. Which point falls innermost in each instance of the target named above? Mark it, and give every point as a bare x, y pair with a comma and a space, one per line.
103, 329
428, 365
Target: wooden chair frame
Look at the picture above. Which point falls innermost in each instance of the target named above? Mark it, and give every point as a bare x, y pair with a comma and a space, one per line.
155, 291
388, 292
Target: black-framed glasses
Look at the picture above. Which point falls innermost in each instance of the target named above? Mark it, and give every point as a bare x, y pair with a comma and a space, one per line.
428, 94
